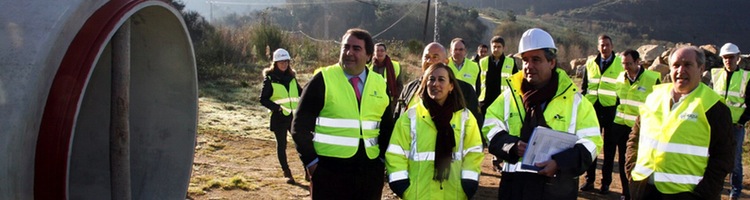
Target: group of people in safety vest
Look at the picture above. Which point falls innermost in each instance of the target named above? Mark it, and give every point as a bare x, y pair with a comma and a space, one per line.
356, 119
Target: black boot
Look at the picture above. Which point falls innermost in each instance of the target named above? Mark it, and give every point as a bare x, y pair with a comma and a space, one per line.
587, 186
288, 175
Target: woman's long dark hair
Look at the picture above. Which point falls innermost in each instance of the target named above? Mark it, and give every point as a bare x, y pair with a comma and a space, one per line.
456, 96
273, 67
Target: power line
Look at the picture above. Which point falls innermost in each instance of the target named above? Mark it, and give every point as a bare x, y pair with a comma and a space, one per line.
310, 37
414, 6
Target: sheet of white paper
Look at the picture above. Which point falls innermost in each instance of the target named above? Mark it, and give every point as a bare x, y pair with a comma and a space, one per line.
543, 144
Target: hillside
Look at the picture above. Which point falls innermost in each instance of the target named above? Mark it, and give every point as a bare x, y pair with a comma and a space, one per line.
694, 21
698, 22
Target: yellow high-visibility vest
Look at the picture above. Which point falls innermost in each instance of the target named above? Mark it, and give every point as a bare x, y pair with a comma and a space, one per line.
343, 122
632, 95
601, 85
506, 71
287, 99
411, 154
673, 143
469, 71
566, 112
735, 94
396, 69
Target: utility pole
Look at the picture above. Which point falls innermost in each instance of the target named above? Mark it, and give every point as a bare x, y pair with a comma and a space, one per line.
426, 18
436, 35
326, 18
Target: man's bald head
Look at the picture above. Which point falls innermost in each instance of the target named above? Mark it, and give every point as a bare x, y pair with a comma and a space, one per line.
433, 53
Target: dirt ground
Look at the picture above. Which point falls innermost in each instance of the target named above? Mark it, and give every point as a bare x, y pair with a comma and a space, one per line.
236, 159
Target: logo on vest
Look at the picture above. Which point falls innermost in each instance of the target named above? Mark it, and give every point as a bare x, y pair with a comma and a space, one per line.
641, 89
375, 94
507, 66
467, 75
688, 116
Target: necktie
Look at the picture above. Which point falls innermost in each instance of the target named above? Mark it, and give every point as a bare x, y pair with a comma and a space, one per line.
355, 84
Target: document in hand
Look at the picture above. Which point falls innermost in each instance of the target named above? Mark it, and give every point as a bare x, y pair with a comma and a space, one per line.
544, 143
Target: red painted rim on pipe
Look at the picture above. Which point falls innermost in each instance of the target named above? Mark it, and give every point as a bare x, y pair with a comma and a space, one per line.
61, 109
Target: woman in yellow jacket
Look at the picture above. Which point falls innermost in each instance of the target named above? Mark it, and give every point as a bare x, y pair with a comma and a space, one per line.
435, 151
280, 95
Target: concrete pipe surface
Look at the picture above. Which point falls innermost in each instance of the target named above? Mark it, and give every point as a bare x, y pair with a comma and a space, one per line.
55, 63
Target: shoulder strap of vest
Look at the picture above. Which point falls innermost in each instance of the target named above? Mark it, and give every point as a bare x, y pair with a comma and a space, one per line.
412, 114
577, 97
464, 118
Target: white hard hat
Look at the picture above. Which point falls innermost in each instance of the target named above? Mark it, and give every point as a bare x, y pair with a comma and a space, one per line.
281, 54
729, 48
534, 39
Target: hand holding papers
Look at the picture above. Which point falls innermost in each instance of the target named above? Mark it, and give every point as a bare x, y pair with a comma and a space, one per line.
543, 144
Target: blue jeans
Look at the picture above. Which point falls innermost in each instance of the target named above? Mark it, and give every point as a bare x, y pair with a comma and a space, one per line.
736, 180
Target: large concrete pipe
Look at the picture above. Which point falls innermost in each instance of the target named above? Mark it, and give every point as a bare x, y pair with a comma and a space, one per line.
55, 80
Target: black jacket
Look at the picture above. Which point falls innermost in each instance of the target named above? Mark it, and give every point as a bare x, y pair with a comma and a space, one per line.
279, 121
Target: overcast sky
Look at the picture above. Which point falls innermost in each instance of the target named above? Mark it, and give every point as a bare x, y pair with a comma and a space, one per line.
225, 7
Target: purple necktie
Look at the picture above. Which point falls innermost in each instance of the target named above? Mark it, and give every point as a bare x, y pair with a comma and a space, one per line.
355, 84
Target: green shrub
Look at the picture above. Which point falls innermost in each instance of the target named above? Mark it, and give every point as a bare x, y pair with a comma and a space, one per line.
415, 47
266, 37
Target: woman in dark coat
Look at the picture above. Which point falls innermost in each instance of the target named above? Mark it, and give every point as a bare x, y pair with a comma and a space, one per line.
280, 95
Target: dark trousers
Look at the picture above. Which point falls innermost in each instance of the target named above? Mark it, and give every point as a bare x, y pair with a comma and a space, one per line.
615, 139
280, 125
644, 190
353, 178
530, 186
605, 115
281, 148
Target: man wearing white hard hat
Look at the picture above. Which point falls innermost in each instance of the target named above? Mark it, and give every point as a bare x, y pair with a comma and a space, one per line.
731, 84
541, 95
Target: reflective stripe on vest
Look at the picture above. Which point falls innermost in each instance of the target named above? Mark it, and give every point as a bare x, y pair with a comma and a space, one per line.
506, 71
602, 85
669, 177
430, 155
411, 154
674, 134
562, 115
286, 99
734, 96
632, 95
343, 122
468, 73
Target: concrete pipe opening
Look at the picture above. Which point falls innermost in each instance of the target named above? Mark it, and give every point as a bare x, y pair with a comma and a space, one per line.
163, 111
